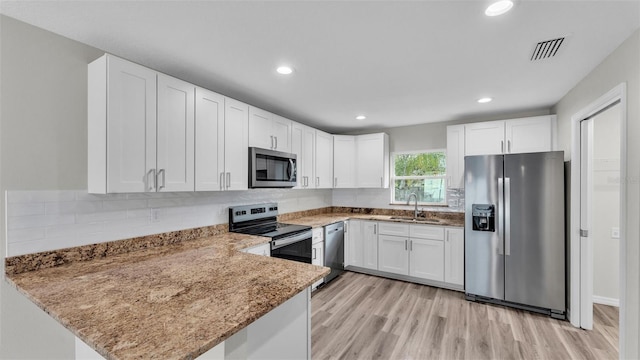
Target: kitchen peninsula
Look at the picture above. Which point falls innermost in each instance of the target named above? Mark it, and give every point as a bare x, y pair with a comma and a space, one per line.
175, 300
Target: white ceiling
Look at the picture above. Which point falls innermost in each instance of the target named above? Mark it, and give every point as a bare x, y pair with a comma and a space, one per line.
398, 62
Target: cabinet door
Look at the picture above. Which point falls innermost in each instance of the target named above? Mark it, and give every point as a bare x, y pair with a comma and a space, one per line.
209, 140
529, 135
317, 258
426, 259
353, 243
372, 161
297, 136
324, 160
260, 128
485, 138
281, 131
455, 156
454, 257
131, 127
236, 148
370, 245
308, 161
344, 161
393, 254
176, 136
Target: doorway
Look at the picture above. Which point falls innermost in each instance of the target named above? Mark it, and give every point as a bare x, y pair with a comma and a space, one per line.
596, 172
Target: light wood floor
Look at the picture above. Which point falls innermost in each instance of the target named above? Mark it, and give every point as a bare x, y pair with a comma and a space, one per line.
365, 317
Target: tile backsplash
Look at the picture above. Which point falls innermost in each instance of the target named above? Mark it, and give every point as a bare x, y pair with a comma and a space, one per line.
379, 198
47, 220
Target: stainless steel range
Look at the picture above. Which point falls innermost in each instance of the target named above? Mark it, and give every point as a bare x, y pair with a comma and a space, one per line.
291, 242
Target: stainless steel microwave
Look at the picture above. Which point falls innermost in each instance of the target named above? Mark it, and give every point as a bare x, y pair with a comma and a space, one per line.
271, 169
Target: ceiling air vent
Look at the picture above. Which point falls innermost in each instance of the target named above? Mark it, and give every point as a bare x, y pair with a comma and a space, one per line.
546, 49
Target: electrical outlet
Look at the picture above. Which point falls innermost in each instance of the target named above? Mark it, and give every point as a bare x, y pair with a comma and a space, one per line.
155, 216
615, 233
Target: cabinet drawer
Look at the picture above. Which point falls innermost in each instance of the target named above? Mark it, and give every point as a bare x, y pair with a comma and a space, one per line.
318, 235
395, 229
426, 232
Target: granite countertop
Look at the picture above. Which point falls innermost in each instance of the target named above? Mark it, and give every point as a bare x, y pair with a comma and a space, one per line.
448, 219
172, 301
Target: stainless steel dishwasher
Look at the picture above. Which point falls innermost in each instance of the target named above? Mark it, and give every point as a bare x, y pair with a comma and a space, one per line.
334, 250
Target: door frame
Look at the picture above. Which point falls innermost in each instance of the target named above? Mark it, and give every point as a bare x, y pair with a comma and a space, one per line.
579, 259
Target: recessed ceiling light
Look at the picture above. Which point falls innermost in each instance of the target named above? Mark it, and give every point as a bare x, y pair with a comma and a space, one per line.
360, 117
484, 100
284, 70
499, 8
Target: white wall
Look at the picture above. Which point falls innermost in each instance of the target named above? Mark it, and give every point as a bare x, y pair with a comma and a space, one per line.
606, 205
621, 66
43, 173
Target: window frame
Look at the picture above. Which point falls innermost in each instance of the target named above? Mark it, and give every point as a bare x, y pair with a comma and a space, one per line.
393, 177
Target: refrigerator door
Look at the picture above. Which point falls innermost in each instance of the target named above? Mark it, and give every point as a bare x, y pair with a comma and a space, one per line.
534, 229
484, 259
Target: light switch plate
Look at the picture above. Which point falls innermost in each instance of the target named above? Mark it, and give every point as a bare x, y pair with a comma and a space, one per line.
615, 233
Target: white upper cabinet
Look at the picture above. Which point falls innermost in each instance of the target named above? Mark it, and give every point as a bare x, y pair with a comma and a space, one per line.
269, 131
372, 161
209, 172
534, 134
236, 149
281, 129
484, 138
455, 156
303, 140
175, 134
121, 127
344, 161
324, 160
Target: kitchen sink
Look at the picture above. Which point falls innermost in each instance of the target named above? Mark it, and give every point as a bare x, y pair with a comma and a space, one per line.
418, 219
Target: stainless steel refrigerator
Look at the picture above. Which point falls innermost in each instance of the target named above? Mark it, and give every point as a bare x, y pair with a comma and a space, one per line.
514, 231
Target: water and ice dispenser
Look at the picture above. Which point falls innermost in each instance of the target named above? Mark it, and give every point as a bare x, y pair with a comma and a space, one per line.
484, 217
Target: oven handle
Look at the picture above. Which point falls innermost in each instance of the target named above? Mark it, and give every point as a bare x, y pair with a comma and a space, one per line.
276, 244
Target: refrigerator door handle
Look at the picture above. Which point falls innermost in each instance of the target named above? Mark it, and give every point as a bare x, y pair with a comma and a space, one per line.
507, 217
500, 215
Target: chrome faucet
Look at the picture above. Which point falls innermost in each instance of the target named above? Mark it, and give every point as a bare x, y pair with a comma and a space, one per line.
415, 211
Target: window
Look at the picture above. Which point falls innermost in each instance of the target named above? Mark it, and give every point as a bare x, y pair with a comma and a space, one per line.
422, 173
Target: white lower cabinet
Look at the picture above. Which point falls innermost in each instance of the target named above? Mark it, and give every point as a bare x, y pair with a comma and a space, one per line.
426, 259
361, 244
317, 252
393, 254
426, 252
454, 256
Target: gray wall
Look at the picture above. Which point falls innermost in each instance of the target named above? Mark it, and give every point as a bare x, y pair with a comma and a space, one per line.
622, 66
43, 145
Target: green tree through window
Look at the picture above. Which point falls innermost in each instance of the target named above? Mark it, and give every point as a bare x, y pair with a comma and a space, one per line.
423, 173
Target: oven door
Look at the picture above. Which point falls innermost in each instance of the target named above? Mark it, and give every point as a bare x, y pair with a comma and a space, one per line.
268, 168
295, 247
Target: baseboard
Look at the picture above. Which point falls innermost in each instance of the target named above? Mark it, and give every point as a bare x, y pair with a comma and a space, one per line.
606, 301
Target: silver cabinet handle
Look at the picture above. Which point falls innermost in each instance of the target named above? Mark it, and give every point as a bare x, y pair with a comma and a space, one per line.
509, 146
507, 217
276, 147
222, 186
314, 253
149, 187
163, 179
346, 226
272, 142
228, 180
502, 146
405, 244
335, 182
410, 245
375, 228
